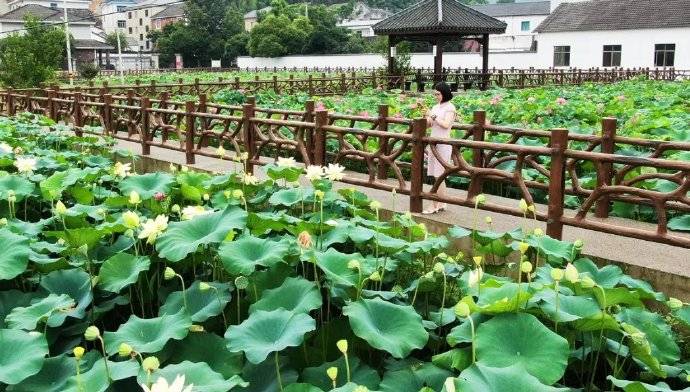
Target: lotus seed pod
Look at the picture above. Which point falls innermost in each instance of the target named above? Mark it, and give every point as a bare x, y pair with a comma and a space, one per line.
131, 220
78, 352
196, 328
477, 260
319, 194
203, 286
479, 200
579, 244
332, 373
237, 194
134, 198
588, 282
557, 274
523, 205
206, 197
375, 276
169, 273
571, 273
92, 333
523, 247
538, 232
241, 282
60, 208
342, 345
125, 350
375, 205
488, 220
354, 264
526, 267
674, 303
3, 222
151, 364
175, 209
227, 194
439, 268
462, 310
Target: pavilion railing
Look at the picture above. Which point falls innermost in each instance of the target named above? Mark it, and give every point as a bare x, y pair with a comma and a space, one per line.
391, 153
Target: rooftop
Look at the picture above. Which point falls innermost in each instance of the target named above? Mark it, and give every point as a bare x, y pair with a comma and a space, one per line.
255, 13
617, 15
514, 9
91, 44
171, 11
49, 14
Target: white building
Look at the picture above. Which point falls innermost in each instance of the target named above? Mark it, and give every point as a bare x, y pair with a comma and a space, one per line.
113, 15
138, 21
520, 18
616, 33
363, 18
71, 4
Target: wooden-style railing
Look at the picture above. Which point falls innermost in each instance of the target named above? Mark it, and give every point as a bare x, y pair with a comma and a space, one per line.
392, 151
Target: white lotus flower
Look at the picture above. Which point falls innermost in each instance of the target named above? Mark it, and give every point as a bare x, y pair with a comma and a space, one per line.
191, 212
5, 148
161, 385
122, 169
250, 179
25, 165
475, 276
152, 228
286, 162
334, 172
314, 172
331, 222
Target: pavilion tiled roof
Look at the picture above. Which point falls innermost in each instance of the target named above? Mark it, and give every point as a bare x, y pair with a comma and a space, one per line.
455, 18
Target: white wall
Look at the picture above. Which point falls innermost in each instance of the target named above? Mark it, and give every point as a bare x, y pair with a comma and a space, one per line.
514, 23
111, 16
637, 46
78, 30
426, 60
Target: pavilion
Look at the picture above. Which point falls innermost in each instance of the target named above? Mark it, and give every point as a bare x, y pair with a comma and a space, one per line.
437, 22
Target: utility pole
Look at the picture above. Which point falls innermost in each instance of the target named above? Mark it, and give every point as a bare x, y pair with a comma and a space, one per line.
119, 58
69, 46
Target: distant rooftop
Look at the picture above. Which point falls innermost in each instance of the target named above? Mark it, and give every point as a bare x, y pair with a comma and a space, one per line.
48, 14
171, 11
255, 13
514, 9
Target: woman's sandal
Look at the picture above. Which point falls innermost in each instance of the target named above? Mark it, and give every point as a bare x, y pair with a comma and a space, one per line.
442, 207
430, 212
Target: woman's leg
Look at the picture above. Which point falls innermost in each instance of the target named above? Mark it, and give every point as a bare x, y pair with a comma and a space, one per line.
441, 192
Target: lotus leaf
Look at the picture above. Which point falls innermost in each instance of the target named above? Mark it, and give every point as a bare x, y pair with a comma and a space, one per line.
40, 311
198, 374
480, 377
147, 185
15, 255
201, 305
121, 270
295, 294
148, 335
23, 354
242, 256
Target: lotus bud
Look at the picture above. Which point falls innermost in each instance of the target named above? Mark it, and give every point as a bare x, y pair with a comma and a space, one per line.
477, 260
60, 241
479, 200
557, 274
151, 364
175, 209
439, 268
206, 197
60, 208
523, 247
203, 286
227, 194
375, 276
92, 333
129, 233
571, 273
462, 310
3, 222
134, 198
237, 194
674, 303
488, 220
375, 205
588, 282
184, 169
362, 388
579, 244
538, 232
354, 265
196, 328
442, 256
319, 194
523, 206
526, 267
342, 346
131, 219
304, 240
169, 273
332, 373
241, 282
78, 352
125, 350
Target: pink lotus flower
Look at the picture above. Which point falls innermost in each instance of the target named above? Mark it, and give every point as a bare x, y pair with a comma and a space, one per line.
159, 196
621, 98
364, 113
561, 101
320, 106
496, 100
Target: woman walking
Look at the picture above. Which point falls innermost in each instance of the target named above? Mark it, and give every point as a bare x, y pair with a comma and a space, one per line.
440, 118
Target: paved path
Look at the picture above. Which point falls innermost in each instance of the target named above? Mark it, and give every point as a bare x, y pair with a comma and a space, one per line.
666, 267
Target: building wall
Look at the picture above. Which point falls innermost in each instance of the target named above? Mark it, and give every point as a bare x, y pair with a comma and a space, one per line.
637, 46
111, 16
159, 23
514, 23
139, 23
249, 23
4, 7
78, 31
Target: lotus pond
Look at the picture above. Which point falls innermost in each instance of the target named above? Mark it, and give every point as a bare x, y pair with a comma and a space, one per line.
181, 280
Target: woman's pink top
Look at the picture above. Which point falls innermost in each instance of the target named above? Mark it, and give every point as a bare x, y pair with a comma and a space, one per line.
442, 110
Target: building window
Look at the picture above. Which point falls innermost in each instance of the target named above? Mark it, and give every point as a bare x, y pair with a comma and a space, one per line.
147, 44
141, 22
612, 56
53, 5
141, 37
561, 56
130, 30
147, 29
121, 24
121, 8
146, 12
524, 25
129, 15
664, 55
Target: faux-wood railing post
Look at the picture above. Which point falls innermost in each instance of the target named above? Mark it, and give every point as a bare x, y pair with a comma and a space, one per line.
248, 112
52, 113
309, 132
107, 114
10, 102
416, 175
78, 120
189, 132
605, 169
559, 143
320, 121
145, 126
310, 85
275, 84
479, 120
383, 141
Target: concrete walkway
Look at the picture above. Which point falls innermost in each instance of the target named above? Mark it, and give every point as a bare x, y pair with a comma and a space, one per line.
666, 267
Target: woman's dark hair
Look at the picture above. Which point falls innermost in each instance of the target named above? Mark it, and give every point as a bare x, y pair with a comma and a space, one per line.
444, 89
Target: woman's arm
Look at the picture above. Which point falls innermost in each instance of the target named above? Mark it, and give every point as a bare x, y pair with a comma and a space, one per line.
447, 120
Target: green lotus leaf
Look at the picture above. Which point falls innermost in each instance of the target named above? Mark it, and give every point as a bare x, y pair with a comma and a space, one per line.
552, 247
608, 276
201, 305
147, 185
639, 386
183, 238
17, 184
657, 332
459, 232
53, 186
396, 329
334, 265
11, 299
359, 373
617, 295
480, 377
52, 377
96, 378
148, 335
414, 376
204, 347
290, 174
597, 322
501, 297
682, 314
75, 283
301, 387
242, 256
266, 332
23, 354
262, 377
680, 223
198, 374
570, 307
510, 339
15, 255
295, 294
40, 311
121, 270
290, 197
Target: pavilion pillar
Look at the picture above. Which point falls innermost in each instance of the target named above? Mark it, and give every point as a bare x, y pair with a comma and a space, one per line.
438, 61
391, 58
485, 61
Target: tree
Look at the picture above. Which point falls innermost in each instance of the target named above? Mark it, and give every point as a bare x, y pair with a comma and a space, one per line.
27, 60
277, 35
111, 39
